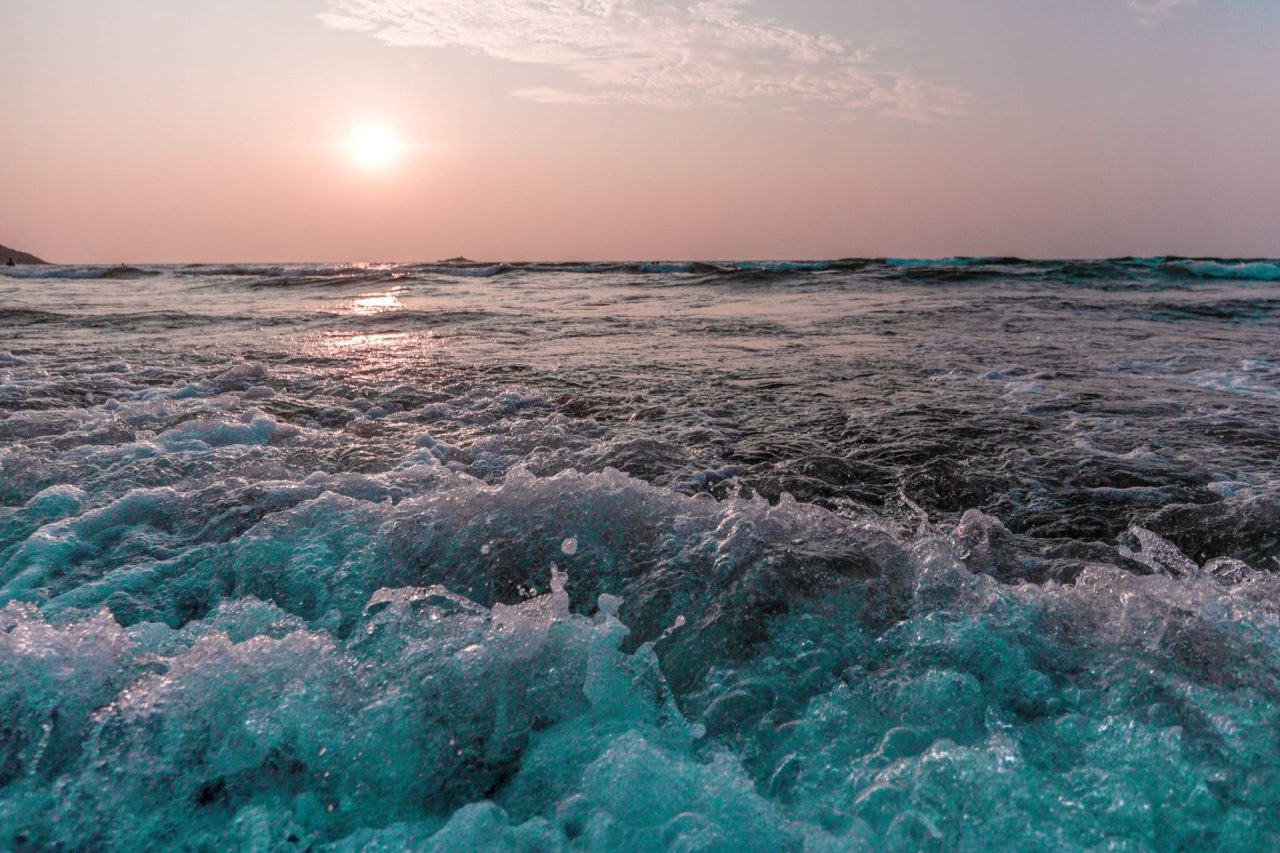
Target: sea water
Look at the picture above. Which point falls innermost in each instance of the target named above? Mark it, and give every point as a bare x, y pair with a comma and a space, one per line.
967, 554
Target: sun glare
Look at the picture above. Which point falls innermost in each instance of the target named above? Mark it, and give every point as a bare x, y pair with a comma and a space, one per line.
374, 147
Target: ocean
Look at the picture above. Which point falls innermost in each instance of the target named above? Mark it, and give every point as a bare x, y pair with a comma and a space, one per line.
958, 554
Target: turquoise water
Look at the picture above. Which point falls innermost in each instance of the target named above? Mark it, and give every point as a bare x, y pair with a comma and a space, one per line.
934, 556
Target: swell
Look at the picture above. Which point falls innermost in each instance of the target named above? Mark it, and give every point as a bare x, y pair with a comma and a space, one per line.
120, 322
941, 270
926, 270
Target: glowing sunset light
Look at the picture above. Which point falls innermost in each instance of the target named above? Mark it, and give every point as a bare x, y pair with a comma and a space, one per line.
375, 304
374, 147
731, 129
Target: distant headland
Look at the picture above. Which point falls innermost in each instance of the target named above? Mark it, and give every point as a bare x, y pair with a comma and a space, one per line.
18, 257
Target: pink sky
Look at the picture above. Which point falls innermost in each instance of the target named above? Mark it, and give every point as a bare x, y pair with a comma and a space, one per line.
604, 129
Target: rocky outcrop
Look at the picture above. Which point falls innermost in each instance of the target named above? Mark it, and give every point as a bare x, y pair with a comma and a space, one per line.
18, 257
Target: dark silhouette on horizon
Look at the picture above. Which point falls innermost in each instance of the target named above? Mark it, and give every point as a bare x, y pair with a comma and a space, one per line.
18, 258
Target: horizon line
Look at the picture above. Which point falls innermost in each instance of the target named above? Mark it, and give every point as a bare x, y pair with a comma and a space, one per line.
461, 259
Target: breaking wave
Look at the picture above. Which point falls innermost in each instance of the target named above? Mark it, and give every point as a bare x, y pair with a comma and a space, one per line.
80, 272
418, 659
1248, 270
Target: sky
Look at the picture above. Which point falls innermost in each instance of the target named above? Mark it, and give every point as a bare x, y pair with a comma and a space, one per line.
405, 130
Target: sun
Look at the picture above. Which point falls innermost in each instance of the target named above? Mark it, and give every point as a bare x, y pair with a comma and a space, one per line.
374, 147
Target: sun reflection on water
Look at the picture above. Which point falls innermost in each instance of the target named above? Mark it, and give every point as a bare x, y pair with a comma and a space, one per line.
376, 303
373, 342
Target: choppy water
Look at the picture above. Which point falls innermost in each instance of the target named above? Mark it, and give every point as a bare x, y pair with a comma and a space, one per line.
965, 554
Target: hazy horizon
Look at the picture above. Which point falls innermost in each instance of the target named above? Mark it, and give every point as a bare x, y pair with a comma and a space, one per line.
348, 130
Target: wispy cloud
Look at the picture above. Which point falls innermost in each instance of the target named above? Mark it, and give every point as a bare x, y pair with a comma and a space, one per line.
1149, 12
662, 53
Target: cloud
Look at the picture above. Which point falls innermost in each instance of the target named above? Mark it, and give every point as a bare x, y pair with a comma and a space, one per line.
1149, 12
673, 54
